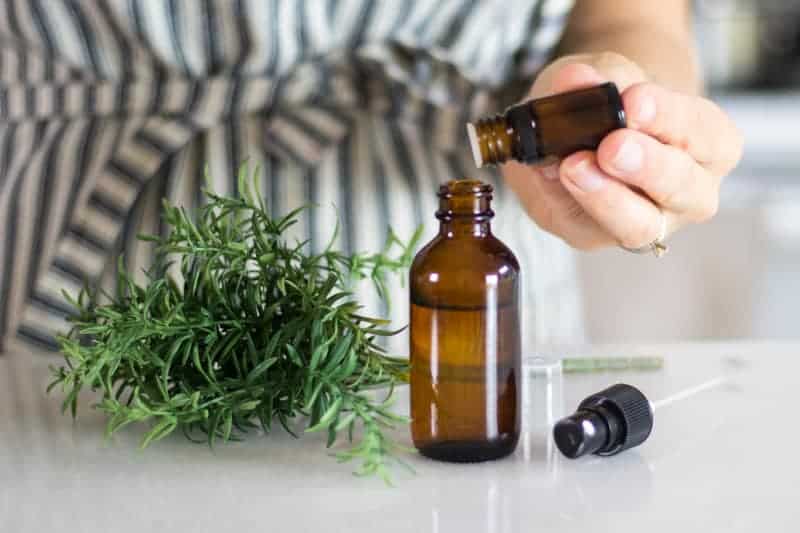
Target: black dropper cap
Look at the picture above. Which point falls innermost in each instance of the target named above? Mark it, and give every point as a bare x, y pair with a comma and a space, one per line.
606, 423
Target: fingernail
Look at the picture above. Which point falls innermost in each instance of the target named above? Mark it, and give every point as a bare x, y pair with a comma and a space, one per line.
550, 172
629, 157
646, 110
586, 177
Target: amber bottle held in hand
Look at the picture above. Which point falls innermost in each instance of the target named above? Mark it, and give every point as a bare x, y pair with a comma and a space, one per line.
465, 334
550, 127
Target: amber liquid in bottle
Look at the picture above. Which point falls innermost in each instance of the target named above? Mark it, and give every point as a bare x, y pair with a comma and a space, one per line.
465, 334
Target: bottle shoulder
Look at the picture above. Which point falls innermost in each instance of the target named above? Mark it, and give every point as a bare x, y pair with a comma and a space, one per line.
459, 271
482, 255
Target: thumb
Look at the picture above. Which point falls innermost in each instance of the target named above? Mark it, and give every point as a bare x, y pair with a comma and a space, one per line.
585, 70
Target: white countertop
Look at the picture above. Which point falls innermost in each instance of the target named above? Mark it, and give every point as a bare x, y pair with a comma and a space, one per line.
724, 459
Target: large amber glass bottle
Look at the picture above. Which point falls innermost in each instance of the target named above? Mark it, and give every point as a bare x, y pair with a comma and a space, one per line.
465, 334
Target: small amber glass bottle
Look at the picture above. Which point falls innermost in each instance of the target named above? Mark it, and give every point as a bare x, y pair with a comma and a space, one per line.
554, 126
465, 334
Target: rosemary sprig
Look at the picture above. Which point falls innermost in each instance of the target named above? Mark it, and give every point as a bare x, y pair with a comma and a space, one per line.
258, 330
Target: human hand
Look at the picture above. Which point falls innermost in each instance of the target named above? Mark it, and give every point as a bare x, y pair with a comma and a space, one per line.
670, 159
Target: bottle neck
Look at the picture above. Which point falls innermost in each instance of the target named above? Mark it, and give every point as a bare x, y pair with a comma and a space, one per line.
464, 227
501, 138
492, 140
465, 209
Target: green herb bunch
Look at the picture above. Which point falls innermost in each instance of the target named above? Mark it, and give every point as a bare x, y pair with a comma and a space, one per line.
259, 330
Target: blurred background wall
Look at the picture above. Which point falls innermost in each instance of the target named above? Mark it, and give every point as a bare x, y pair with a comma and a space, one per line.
739, 275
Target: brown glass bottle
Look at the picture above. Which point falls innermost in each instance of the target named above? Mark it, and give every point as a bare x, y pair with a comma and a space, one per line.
554, 126
465, 334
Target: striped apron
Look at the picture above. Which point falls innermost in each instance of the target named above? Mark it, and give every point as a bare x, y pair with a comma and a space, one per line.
358, 106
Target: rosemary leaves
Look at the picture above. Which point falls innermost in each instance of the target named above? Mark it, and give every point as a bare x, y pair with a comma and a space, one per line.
258, 331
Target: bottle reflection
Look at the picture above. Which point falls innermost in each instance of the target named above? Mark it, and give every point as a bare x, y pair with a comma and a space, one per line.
492, 497
486, 506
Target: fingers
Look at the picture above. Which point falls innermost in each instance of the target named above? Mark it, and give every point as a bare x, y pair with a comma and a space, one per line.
540, 189
695, 125
618, 68
553, 207
584, 70
669, 176
669, 160
632, 220
575, 76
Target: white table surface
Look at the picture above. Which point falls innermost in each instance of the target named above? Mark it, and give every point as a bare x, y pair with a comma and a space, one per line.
725, 459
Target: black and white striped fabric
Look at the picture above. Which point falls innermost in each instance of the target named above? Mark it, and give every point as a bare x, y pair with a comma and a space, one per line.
106, 106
